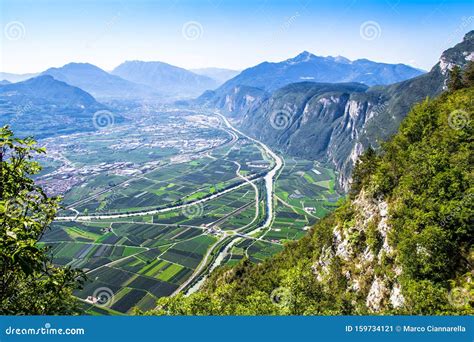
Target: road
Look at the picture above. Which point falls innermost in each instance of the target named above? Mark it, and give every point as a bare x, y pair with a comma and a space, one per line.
150, 212
269, 179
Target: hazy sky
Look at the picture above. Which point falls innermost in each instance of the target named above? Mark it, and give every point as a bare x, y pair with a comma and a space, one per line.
38, 34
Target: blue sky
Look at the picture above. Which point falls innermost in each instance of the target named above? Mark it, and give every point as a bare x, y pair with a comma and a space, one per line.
38, 34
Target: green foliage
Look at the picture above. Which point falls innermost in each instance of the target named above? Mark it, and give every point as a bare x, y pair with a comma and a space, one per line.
455, 79
468, 75
29, 283
425, 298
459, 78
373, 237
363, 169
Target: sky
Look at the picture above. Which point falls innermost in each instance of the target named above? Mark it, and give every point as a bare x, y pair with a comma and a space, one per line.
38, 34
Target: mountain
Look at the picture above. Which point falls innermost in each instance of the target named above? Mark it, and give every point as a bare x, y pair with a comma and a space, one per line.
308, 67
401, 244
98, 82
240, 100
337, 125
43, 106
218, 74
16, 77
4, 82
165, 78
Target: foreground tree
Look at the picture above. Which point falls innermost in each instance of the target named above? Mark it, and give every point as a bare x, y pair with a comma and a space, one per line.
29, 282
455, 81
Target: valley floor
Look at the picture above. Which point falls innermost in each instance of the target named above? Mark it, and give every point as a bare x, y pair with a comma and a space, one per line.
153, 207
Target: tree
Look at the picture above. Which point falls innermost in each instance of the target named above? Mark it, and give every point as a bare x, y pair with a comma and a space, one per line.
455, 79
468, 75
29, 282
364, 167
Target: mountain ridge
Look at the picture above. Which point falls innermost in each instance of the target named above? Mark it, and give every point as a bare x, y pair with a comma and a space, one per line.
165, 78
98, 82
273, 75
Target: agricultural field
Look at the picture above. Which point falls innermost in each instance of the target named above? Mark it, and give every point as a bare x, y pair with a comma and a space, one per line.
305, 193
137, 262
170, 184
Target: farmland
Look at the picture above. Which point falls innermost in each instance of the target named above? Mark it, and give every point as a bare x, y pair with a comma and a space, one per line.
147, 216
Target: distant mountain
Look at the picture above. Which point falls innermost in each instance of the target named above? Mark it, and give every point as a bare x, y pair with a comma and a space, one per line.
165, 78
308, 67
16, 77
335, 125
98, 82
218, 74
43, 106
4, 82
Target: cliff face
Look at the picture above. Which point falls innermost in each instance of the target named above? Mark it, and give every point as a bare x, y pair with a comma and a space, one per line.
335, 122
362, 248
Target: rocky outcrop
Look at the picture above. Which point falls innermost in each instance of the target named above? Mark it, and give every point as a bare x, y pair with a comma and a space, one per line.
361, 248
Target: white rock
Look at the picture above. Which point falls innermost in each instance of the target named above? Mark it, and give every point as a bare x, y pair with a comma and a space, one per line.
376, 295
396, 297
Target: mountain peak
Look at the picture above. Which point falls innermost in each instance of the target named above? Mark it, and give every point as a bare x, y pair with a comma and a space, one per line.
79, 65
302, 57
306, 56
40, 78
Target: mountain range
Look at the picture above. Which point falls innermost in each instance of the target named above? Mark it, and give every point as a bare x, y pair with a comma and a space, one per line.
161, 81
309, 67
269, 76
134, 80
